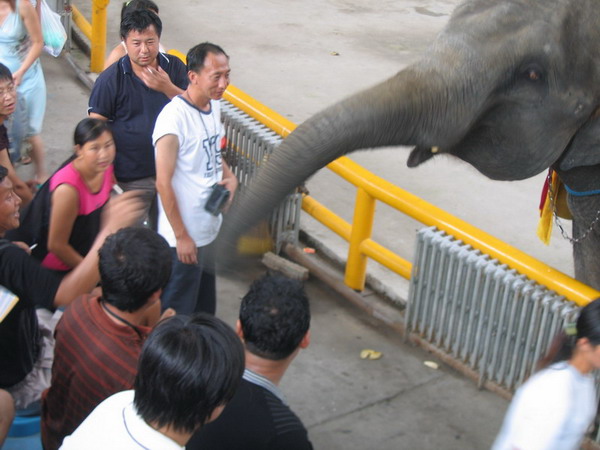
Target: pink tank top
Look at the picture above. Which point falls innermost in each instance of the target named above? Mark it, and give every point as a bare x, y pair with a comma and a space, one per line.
89, 202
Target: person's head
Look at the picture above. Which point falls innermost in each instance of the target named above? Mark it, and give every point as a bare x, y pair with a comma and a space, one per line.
208, 70
580, 342
12, 3
275, 317
140, 31
9, 203
134, 5
8, 92
94, 144
189, 368
135, 265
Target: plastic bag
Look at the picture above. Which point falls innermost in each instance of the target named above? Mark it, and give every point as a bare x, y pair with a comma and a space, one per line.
53, 31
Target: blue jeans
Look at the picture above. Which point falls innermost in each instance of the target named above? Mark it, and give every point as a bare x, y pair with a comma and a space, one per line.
183, 292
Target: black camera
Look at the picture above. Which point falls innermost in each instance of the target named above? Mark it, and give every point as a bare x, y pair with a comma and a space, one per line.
217, 199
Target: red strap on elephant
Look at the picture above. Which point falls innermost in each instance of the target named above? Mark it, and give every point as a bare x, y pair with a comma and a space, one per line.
545, 190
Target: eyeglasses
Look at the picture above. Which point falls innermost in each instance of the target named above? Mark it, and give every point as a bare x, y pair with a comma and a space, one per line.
10, 89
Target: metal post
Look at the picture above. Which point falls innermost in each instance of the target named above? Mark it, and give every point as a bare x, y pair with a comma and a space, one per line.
98, 35
356, 267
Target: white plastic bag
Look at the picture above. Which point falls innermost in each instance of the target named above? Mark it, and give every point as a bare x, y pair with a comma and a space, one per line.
53, 31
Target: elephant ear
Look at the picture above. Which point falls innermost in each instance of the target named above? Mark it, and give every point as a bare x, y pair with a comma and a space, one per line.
584, 149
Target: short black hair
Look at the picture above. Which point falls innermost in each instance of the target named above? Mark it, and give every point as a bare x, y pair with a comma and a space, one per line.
134, 5
197, 54
189, 366
3, 173
89, 129
139, 20
275, 316
5, 73
134, 263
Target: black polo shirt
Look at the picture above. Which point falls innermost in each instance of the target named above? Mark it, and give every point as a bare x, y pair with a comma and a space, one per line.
36, 287
132, 109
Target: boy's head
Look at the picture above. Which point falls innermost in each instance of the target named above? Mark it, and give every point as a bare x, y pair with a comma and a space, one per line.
134, 264
8, 92
274, 317
189, 368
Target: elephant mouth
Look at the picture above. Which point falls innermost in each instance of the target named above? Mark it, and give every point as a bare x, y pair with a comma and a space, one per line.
419, 155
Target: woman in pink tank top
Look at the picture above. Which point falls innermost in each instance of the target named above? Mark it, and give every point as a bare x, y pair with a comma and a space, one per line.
78, 191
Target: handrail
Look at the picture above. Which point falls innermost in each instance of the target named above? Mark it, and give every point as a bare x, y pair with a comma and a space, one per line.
95, 32
371, 187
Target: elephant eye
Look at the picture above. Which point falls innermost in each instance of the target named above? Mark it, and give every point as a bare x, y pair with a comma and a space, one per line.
533, 75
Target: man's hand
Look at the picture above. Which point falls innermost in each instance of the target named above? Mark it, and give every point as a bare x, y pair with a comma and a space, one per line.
169, 312
17, 78
231, 184
158, 80
187, 252
22, 245
122, 211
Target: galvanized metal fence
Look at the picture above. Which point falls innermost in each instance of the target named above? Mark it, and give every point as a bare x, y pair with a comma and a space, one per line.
481, 313
249, 144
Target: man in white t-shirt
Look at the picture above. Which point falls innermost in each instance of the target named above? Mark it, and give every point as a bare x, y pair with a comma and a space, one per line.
188, 137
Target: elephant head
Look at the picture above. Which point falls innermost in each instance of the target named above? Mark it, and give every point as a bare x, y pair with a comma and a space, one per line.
509, 86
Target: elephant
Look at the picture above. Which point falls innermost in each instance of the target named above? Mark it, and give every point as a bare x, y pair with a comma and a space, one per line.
512, 87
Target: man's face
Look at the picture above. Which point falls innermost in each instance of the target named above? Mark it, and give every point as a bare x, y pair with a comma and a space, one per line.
142, 47
8, 97
9, 206
213, 78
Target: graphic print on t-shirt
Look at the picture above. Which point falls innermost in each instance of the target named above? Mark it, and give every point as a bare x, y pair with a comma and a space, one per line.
213, 156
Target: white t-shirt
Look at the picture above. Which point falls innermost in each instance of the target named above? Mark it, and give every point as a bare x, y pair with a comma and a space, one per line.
115, 425
199, 166
552, 410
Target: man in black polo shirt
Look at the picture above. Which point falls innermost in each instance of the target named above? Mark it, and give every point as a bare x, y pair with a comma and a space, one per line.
37, 287
273, 325
131, 93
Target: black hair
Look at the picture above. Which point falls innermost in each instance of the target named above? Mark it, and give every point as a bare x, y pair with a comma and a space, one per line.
139, 20
189, 366
134, 263
3, 173
197, 55
134, 5
5, 73
89, 129
275, 316
587, 326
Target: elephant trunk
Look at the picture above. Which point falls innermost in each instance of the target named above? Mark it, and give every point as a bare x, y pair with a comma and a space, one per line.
404, 110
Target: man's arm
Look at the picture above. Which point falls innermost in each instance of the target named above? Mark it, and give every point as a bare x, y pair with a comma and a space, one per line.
167, 148
63, 213
121, 211
230, 182
94, 115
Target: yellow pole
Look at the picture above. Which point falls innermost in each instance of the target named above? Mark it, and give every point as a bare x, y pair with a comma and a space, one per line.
81, 22
362, 226
98, 35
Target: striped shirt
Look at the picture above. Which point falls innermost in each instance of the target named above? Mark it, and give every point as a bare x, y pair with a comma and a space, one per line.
93, 359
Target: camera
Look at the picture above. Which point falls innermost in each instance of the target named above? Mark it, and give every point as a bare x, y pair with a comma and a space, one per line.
217, 199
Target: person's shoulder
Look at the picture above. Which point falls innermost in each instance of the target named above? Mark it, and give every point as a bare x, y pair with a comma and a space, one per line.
173, 108
172, 61
548, 384
111, 74
83, 304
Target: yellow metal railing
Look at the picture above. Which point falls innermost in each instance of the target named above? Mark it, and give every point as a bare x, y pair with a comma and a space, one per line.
371, 188
95, 32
